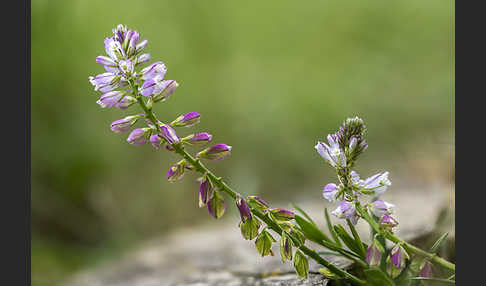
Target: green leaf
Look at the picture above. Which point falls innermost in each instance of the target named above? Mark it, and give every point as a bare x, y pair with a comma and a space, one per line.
376, 276
436, 245
357, 239
311, 231
348, 240
434, 279
303, 213
331, 229
301, 264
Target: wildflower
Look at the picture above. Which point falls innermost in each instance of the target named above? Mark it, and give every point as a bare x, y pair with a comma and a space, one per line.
186, 120
156, 69
216, 205
205, 191
374, 253
380, 208
156, 141
142, 59
332, 152
215, 152
388, 222
285, 247
113, 99
426, 269
330, 192
399, 256
169, 134
257, 203
124, 124
282, 214
176, 172
106, 81
126, 68
198, 139
346, 210
244, 209
377, 184
139, 136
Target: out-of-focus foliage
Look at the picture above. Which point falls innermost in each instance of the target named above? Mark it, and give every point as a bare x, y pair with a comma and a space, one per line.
270, 78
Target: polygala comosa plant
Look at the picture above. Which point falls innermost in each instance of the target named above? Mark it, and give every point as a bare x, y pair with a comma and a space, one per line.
129, 80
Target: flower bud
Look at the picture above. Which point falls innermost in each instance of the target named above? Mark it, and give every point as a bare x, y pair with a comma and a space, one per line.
245, 212
132, 45
156, 141
176, 172
187, 120
287, 226
198, 139
215, 152
205, 191
346, 210
398, 256
374, 253
123, 125
114, 49
380, 208
257, 203
298, 235
388, 222
216, 205
249, 228
301, 264
285, 247
330, 192
282, 214
426, 269
164, 90
352, 144
111, 99
142, 59
139, 136
264, 242
140, 46
169, 134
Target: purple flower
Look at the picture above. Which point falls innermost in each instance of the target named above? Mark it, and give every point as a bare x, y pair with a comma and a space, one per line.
123, 125
142, 59
106, 81
346, 210
205, 192
112, 99
140, 46
377, 183
198, 139
119, 33
156, 141
153, 70
380, 208
398, 256
244, 209
169, 134
114, 49
164, 90
105, 61
257, 203
332, 152
388, 222
126, 67
426, 269
215, 152
187, 120
330, 191
352, 144
374, 253
285, 247
176, 172
282, 214
139, 136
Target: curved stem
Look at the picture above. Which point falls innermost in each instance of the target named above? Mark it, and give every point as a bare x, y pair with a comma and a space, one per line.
199, 167
409, 247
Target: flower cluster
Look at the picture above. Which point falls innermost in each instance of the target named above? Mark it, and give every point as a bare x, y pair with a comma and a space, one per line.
125, 83
341, 152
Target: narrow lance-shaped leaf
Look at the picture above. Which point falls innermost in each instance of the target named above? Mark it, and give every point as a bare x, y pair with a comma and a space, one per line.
311, 231
331, 229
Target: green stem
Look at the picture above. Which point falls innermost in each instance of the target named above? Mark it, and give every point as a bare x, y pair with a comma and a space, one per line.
198, 166
408, 247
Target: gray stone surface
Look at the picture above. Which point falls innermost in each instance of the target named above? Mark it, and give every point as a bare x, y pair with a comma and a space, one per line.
216, 254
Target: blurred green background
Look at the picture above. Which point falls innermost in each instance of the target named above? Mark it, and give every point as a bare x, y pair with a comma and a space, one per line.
270, 78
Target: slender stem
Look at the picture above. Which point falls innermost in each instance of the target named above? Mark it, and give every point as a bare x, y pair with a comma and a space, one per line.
198, 166
409, 247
